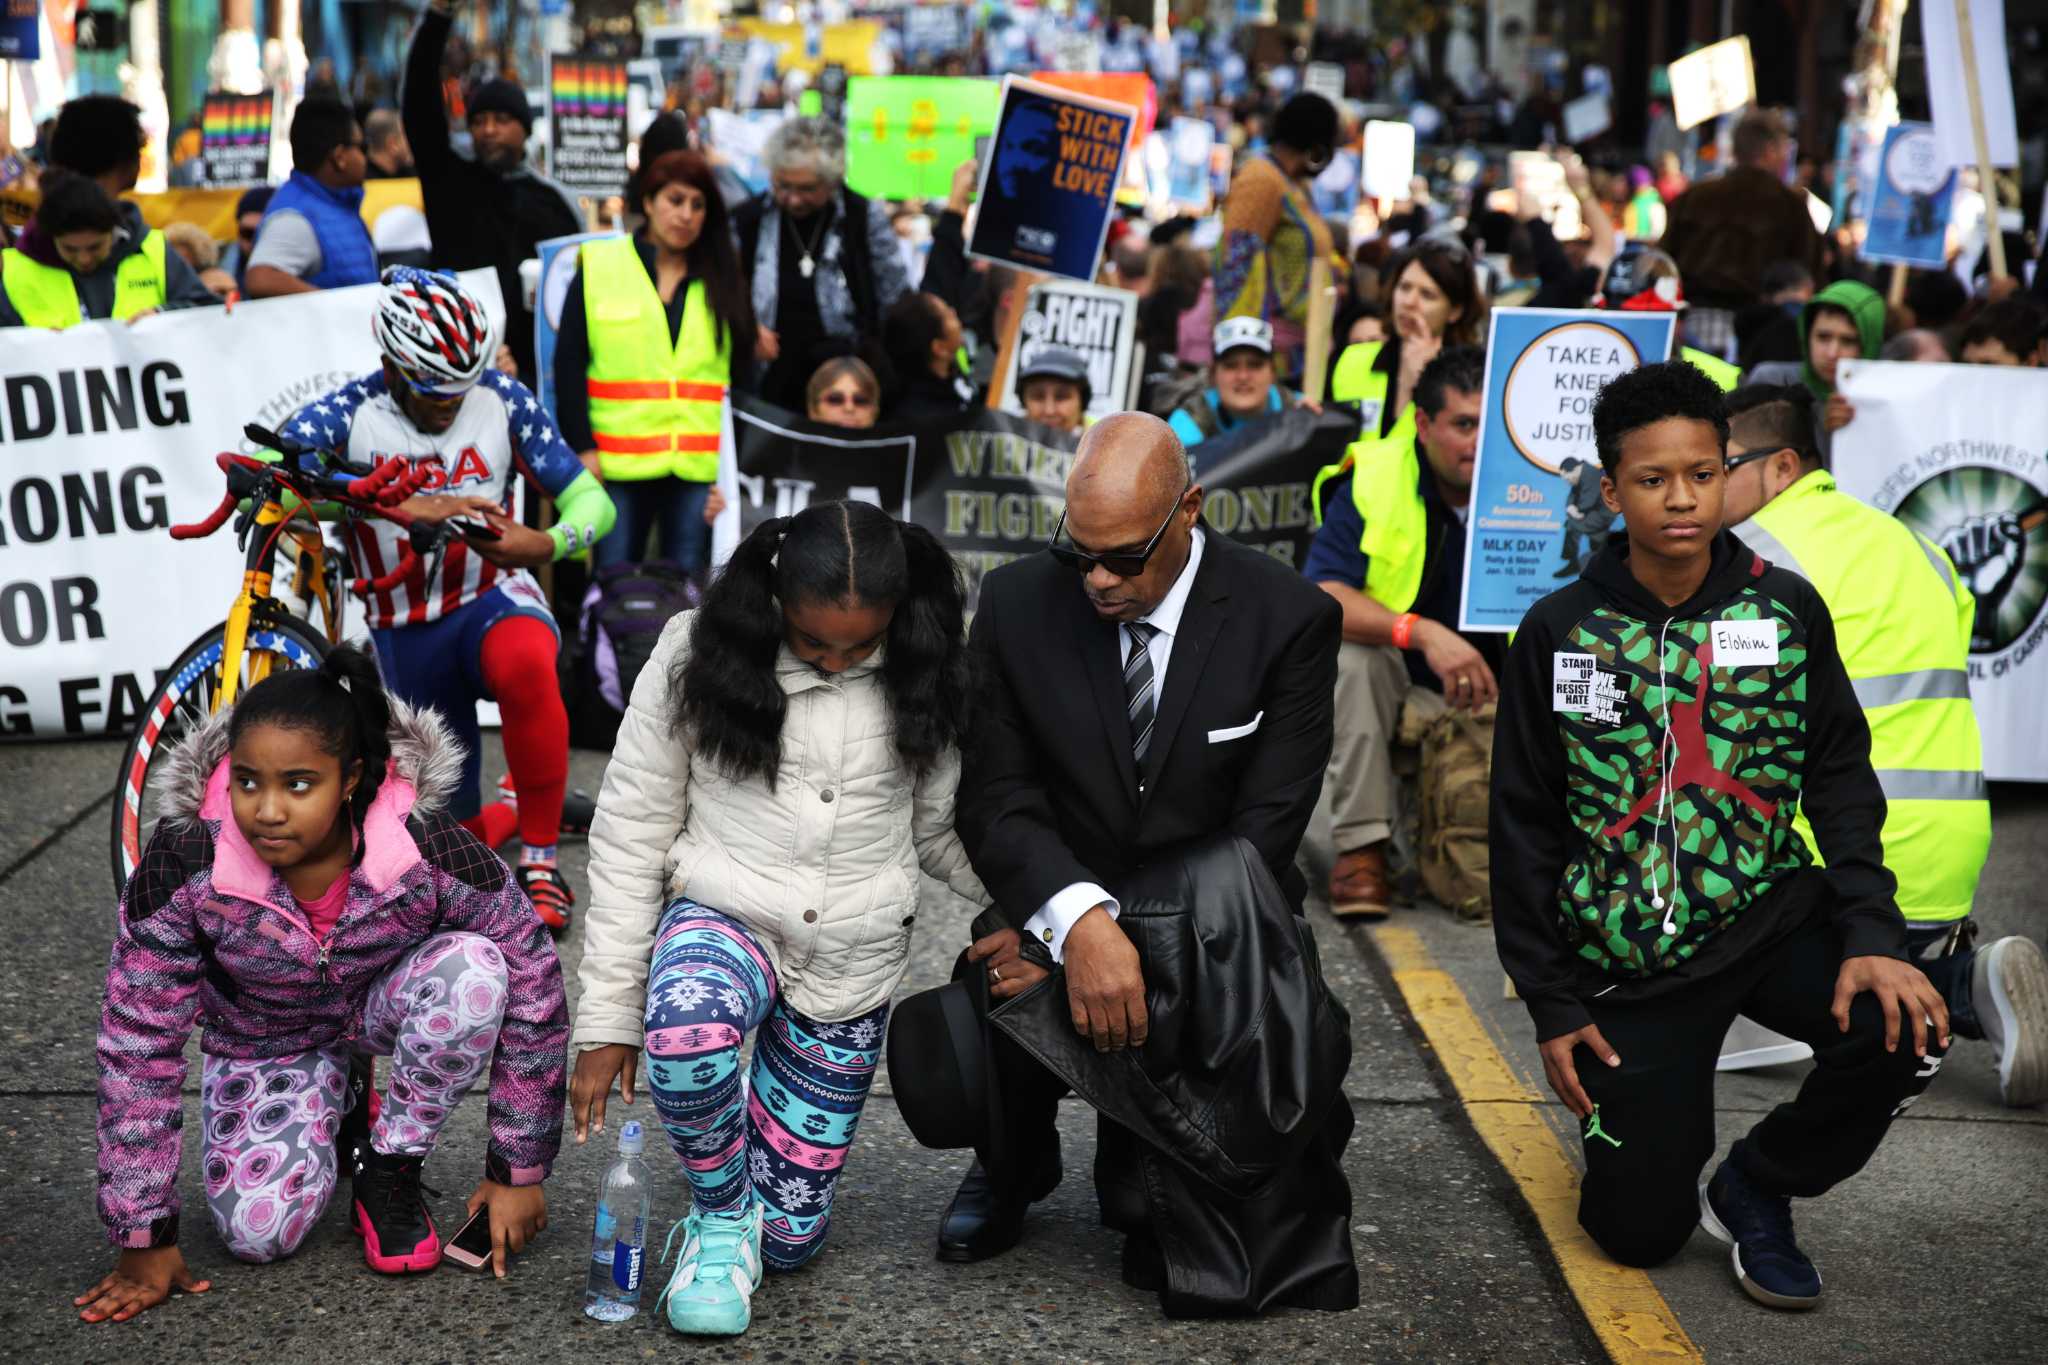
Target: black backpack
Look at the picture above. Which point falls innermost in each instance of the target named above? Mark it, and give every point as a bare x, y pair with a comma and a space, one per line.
624, 612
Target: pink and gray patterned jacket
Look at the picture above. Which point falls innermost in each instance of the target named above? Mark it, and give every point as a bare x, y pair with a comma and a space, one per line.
208, 931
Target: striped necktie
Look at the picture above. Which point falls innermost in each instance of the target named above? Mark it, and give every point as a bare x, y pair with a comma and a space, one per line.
1138, 687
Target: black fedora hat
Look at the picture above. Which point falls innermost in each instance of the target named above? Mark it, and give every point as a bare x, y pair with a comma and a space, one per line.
941, 1071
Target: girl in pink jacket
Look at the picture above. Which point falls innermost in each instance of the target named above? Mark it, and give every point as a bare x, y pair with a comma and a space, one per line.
307, 898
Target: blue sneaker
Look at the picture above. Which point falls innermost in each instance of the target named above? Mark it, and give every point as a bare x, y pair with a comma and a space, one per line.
711, 1293
1769, 1265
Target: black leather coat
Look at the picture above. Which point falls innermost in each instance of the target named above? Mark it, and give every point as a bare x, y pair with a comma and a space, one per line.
1222, 1152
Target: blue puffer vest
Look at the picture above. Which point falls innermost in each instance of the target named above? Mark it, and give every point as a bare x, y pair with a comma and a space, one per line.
346, 254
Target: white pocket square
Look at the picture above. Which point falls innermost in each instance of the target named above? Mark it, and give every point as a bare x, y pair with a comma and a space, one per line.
1236, 731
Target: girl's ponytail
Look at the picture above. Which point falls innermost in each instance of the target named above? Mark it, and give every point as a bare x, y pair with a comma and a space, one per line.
725, 693
342, 701
926, 667
355, 672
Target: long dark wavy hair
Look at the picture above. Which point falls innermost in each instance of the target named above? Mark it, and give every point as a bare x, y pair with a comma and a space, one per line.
729, 703
713, 257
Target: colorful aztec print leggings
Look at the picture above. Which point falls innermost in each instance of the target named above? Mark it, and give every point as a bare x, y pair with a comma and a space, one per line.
780, 1135
270, 1125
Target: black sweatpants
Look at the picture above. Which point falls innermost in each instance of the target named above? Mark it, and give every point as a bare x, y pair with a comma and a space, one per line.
1655, 1124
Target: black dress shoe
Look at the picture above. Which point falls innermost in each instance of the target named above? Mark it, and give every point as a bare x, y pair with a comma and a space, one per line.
986, 1219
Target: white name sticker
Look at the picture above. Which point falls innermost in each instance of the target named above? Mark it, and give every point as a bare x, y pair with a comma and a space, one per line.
1742, 644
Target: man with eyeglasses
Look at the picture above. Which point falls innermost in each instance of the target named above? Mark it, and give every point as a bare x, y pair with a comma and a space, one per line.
822, 260
1902, 623
1150, 685
313, 236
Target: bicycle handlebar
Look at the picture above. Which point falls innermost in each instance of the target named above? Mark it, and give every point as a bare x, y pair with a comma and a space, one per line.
211, 523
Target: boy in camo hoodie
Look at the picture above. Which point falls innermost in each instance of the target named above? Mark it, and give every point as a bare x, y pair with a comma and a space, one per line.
1661, 722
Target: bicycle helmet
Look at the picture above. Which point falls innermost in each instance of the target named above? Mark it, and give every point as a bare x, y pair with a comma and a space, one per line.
433, 330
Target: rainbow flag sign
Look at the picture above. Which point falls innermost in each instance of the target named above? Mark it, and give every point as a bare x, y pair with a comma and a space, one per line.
587, 123
235, 138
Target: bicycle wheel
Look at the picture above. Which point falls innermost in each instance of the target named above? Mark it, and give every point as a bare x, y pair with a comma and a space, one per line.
182, 701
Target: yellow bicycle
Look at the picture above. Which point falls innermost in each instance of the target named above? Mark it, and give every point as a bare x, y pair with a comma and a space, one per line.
281, 505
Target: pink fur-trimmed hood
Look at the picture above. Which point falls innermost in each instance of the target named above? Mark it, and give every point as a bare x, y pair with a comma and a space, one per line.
425, 767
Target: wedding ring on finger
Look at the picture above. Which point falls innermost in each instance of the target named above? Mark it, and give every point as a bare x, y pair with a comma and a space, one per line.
995, 973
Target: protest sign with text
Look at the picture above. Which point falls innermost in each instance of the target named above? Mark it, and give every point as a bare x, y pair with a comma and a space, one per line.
234, 133
991, 486
1535, 516
1955, 452
587, 123
1098, 323
111, 431
1048, 189
1909, 210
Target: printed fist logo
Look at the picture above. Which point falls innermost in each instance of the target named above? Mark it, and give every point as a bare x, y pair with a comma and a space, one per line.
1994, 527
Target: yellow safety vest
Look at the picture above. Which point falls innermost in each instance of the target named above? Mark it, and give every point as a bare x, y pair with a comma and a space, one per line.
47, 295
1386, 488
1720, 371
1902, 624
656, 409
1356, 381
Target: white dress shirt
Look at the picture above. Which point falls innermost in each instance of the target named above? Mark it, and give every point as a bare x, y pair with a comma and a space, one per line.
1058, 915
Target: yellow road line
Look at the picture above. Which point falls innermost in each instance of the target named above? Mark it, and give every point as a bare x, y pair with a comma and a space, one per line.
1627, 1313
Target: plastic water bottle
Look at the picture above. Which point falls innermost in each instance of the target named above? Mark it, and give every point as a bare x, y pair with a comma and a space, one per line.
618, 1251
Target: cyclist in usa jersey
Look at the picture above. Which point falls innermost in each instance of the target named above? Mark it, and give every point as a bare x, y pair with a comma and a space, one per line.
475, 625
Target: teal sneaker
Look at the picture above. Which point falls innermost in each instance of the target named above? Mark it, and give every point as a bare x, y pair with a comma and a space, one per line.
711, 1292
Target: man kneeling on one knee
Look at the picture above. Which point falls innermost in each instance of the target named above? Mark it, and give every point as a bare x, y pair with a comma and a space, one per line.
1391, 550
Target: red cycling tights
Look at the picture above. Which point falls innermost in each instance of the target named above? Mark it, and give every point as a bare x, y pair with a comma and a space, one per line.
519, 668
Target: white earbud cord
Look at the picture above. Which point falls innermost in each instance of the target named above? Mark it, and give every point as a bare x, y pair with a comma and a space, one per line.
1657, 901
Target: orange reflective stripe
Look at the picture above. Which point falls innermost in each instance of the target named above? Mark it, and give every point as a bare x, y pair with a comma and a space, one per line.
656, 390
631, 445
628, 389
657, 445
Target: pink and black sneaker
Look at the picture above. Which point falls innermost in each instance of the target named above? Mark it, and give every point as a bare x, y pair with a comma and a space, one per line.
391, 1217
360, 1106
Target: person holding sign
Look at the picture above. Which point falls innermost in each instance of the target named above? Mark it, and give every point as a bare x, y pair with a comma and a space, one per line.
1663, 722
1903, 622
1390, 550
1432, 294
491, 209
1271, 230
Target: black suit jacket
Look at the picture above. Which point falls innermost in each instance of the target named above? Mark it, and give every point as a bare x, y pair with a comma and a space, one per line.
1049, 794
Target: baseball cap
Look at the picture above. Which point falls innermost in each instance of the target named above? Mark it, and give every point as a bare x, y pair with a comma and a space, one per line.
1055, 362
1232, 333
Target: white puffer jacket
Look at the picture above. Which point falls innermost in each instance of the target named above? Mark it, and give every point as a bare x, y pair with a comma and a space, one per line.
822, 869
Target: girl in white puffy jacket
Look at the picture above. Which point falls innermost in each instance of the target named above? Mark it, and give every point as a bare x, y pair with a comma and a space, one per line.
784, 770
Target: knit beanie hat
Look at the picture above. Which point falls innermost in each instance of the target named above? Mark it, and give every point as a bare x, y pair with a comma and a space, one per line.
500, 96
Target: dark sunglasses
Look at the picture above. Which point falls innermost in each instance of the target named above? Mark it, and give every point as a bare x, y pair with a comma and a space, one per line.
836, 399
1743, 457
1121, 563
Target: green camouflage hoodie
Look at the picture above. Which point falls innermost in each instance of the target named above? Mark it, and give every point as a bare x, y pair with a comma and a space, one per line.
1648, 764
